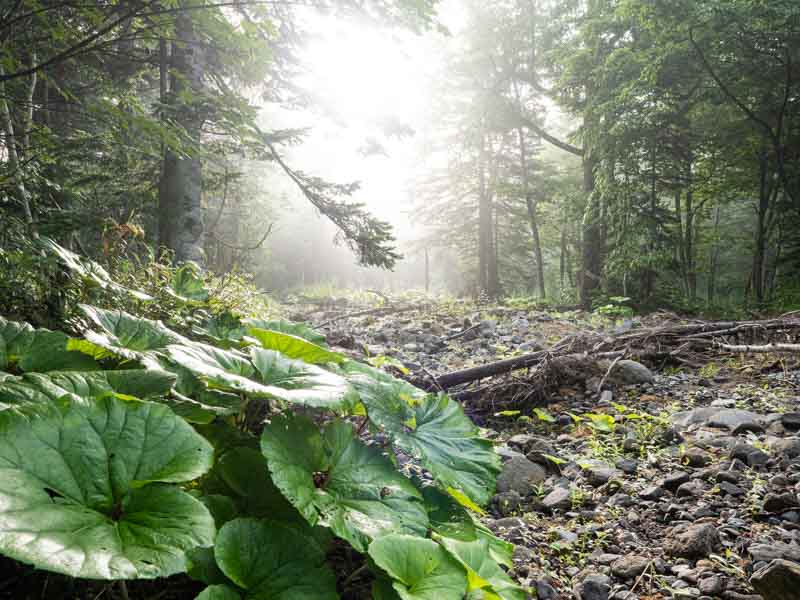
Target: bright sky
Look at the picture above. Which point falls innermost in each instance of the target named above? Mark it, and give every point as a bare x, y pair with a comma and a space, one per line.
364, 77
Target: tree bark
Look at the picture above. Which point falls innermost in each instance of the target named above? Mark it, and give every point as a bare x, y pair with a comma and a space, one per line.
592, 243
484, 222
181, 214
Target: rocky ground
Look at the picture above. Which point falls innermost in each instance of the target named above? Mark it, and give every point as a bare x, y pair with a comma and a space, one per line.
670, 482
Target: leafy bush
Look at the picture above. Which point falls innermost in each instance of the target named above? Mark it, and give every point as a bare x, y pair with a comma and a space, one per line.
128, 452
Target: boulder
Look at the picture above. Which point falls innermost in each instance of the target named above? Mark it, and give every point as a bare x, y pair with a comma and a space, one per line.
630, 371
779, 580
696, 541
520, 475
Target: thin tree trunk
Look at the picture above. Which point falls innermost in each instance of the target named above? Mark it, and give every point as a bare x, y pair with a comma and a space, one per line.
181, 215
531, 208
13, 158
592, 243
484, 223
713, 260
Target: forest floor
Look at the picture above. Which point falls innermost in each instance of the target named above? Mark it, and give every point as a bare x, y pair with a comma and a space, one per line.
620, 480
663, 481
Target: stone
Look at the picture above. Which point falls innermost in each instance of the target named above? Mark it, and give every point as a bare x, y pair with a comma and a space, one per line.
711, 586
674, 480
786, 447
601, 474
733, 419
750, 455
559, 499
520, 475
779, 580
696, 457
690, 489
606, 396
545, 591
627, 465
593, 587
654, 492
773, 551
779, 502
697, 541
791, 420
507, 503
630, 371
730, 489
628, 567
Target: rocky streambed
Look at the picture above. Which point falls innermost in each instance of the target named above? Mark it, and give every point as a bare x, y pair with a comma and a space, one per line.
657, 483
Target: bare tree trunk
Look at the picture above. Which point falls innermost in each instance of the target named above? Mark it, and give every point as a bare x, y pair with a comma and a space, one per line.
11, 149
713, 260
484, 222
592, 243
181, 215
530, 205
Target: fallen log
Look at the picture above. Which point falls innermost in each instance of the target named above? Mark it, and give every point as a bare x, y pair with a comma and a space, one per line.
450, 380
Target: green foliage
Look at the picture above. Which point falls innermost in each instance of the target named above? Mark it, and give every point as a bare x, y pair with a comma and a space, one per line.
132, 452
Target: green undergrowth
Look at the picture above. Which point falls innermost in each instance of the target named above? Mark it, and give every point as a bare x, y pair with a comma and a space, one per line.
239, 450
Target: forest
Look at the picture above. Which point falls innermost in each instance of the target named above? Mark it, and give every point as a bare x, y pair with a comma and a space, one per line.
400, 299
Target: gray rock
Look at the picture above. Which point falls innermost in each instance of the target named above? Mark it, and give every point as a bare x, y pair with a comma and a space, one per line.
696, 541
711, 586
779, 580
785, 447
559, 499
627, 465
507, 503
732, 419
780, 502
730, 489
606, 396
689, 489
674, 480
520, 475
791, 420
601, 474
633, 372
774, 551
696, 457
654, 492
593, 587
628, 567
545, 591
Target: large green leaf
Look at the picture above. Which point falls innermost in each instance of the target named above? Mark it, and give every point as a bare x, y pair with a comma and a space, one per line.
242, 475
434, 429
222, 369
273, 561
219, 592
335, 480
420, 568
84, 489
91, 384
128, 336
90, 272
187, 284
38, 350
298, 329
294, 346
225, 329
305, 383
483, 572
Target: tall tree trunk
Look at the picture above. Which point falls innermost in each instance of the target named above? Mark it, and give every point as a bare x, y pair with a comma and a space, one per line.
11, 144
181, 215
484, 222
592, 243
493, 276
714, 259
530, 205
